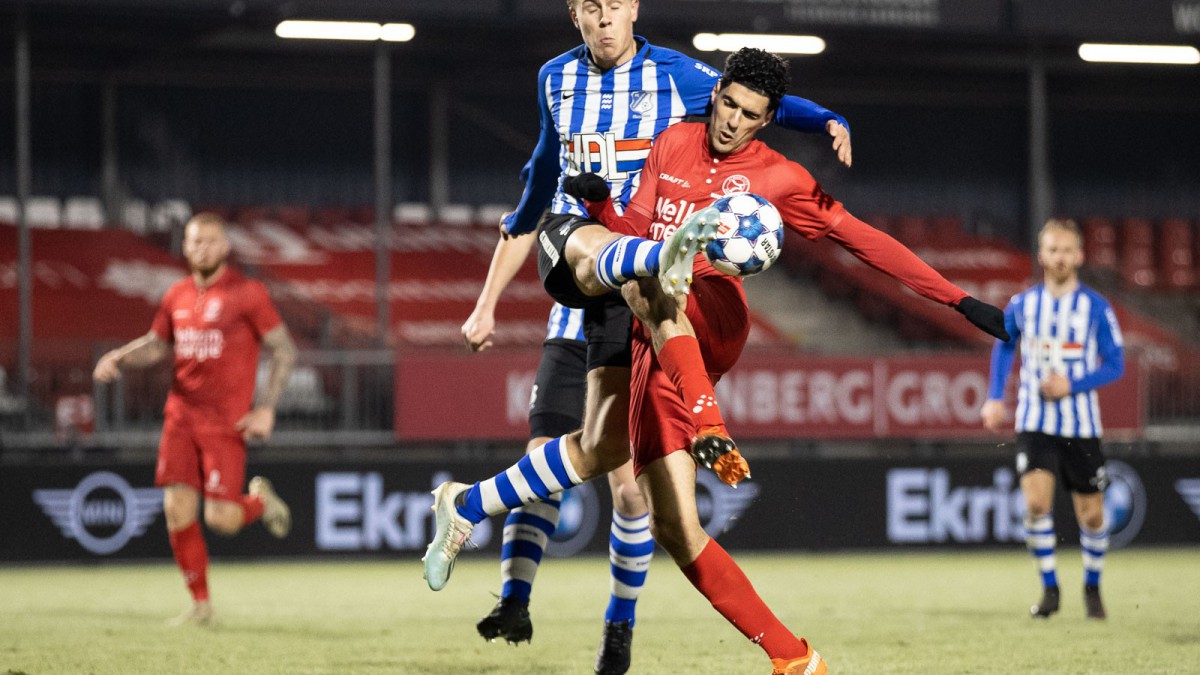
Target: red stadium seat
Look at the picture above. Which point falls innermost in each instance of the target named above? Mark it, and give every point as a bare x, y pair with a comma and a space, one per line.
1137, 253
879, 221
911, 230
331, 215
294, 216
946, 231
1175, 256
248, 215
1100, 243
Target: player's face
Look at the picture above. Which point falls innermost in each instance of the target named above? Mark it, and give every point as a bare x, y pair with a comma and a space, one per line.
1060, 254
607, 29
205, 247
738, 113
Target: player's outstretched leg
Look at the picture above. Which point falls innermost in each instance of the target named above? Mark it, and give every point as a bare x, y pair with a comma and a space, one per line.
526, 533
679, 251
276, 516
546, 470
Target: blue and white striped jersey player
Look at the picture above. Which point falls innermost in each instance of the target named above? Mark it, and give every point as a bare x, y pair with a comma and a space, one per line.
1070, 347
601, 105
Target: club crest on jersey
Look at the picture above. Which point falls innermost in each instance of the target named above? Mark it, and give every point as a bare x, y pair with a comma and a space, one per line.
640, 102
735, 183
212, 310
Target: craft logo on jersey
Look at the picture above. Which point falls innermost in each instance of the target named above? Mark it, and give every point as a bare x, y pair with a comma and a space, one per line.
200, 344
1124, 503
606, 155
640, 102
103, 512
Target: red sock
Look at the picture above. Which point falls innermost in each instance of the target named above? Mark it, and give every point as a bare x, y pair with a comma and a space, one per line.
191, 555
718, 577
681, 361
252, 508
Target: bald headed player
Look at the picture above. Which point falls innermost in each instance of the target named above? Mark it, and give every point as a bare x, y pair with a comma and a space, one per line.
215, 319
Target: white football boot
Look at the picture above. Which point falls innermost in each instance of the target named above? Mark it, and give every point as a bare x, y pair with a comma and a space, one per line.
677, 256
276, 515
451, 531
199, 614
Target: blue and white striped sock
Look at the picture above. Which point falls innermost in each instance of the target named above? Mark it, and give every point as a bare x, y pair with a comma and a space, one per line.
546, 470
630, 548
526, 531
627, 258
1040, 540
1094, 544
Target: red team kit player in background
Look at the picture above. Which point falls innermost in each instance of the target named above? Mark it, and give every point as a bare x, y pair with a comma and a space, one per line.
214, 319
688, 164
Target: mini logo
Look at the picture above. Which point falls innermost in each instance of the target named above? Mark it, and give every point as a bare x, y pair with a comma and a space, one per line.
640, 102
672, 179
1124, 503
533, 396
705, 401
1189, 490
103, 512
212, 310
735, 183
562, 231
720, 505
567, 94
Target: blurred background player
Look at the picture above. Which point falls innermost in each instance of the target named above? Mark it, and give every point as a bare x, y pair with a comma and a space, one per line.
647, 89
1070, 346
214, 319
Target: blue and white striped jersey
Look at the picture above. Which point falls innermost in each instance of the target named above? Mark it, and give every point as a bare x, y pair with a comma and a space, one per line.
604, 121
1076, 336
565, 323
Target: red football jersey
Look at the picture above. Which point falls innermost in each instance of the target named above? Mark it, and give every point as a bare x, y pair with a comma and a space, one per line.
683, 175
216, 332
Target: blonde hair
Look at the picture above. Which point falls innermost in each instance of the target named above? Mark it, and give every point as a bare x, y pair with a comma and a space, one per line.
208, 218
1062, 225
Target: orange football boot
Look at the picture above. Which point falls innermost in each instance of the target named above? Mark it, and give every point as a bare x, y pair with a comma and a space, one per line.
714, 449
809, 664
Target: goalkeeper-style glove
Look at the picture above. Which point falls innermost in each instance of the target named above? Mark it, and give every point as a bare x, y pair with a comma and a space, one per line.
987, 318
586, 186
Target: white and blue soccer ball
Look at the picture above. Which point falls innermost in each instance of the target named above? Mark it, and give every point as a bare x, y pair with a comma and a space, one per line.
749, 237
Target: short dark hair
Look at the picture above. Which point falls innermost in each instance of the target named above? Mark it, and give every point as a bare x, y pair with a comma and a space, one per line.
759, 70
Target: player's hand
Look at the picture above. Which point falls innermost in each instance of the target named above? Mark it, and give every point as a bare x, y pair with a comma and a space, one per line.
257, 424
1055, 386
841, 141
479, 329
108, 368
987, 318
587, 186
993, 414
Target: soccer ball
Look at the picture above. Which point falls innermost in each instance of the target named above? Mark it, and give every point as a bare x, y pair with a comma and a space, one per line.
749, 237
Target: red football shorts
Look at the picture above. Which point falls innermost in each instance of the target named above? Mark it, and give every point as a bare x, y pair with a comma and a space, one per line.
209, 459
659, 423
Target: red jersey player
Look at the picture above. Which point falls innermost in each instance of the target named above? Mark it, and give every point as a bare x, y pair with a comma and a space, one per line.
699, 336
215, 319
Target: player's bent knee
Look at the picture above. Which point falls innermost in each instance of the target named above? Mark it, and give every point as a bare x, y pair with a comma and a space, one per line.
225, 519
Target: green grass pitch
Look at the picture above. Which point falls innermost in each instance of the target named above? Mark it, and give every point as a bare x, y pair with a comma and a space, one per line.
867, 613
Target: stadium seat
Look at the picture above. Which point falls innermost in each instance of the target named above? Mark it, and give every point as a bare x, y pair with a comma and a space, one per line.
135, 215
83, 213
43, 212
1175, 262
363, 215
248, 215
911, 230
946, 231
1137, 252
328, 216
879, 221
1100, 243
294, 216
456, 214
8, 209
412, 213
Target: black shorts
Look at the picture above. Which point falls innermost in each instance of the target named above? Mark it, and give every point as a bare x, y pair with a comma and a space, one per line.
606, 318
1077, 462
556, 402
557, 276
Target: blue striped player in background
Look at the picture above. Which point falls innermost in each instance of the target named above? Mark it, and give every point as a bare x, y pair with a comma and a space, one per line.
1070, 347
601, 105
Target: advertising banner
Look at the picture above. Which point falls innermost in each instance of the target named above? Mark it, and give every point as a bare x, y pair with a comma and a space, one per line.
382, 509
767, 396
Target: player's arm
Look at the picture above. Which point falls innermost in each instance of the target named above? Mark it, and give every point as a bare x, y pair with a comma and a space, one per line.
144, 351
510, 254
1110, 349
260, 421
542, 182
1003, 353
